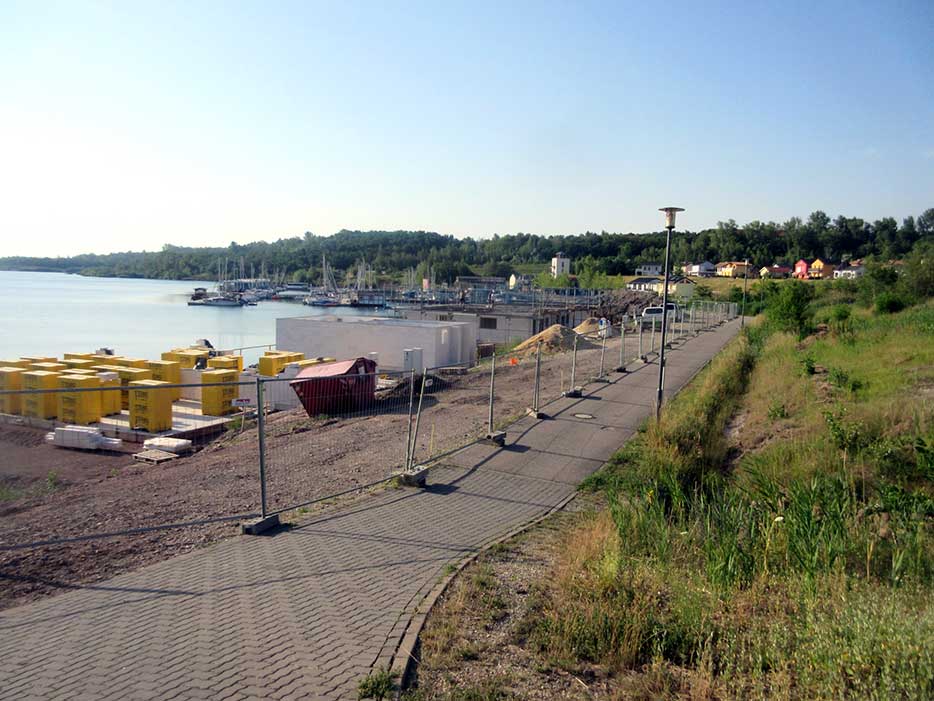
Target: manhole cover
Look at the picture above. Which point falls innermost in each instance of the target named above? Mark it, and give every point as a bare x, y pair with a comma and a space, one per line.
583, 416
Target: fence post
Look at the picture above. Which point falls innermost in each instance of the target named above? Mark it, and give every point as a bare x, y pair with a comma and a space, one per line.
261, 430
265, 522
622, 345
606, 330
408, 438
493, 437
533, 410
573, 389
652, 349
641, 353
418, 416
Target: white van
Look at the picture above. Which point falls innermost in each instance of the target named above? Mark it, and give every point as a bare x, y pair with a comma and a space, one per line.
650, 314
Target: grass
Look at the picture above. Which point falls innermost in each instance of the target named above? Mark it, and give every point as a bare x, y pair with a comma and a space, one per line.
379, 684
800, 565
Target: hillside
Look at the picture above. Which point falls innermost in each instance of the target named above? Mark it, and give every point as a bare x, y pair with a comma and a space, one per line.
392, 252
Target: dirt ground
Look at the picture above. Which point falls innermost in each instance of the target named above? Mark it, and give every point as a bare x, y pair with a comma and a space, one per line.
52, 493
476, 640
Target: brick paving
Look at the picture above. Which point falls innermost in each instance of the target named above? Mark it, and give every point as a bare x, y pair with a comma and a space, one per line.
306, 613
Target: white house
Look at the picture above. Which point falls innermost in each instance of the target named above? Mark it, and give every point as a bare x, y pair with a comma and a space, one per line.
649, 269
705, 269
560, 265
849, 273
644, 284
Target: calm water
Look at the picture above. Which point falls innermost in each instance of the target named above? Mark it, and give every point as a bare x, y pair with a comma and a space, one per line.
53, 313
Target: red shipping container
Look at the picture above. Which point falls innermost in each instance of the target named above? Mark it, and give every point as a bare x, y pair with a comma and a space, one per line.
336, 388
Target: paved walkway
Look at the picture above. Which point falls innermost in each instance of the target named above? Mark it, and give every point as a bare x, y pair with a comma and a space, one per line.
308, 612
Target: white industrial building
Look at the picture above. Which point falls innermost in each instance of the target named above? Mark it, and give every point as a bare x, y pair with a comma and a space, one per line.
503, 325
442, 343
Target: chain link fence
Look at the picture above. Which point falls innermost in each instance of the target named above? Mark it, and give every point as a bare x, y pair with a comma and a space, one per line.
264, 445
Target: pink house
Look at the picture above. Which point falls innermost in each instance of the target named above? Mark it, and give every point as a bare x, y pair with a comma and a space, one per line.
801, 269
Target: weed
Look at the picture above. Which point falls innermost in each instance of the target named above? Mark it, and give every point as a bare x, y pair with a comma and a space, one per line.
777, 411
449, 569
807, 365
379, 684
52, 481
8, 493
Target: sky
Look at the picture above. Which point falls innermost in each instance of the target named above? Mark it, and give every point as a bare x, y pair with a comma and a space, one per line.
126, 125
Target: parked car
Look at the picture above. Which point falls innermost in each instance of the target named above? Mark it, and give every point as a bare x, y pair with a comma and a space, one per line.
650, 314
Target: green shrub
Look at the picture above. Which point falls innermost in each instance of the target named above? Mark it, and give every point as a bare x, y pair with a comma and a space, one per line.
889, 303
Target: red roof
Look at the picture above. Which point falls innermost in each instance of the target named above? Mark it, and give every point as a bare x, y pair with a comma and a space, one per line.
340, 367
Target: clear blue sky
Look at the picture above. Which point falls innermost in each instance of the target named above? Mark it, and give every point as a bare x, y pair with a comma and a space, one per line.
128, 125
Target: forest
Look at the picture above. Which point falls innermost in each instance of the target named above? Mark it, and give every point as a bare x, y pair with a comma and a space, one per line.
391, 253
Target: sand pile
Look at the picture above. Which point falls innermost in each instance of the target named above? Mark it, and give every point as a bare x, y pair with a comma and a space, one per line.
591, 325
554, 338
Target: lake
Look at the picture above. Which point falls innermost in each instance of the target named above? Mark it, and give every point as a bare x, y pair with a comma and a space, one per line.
53, 313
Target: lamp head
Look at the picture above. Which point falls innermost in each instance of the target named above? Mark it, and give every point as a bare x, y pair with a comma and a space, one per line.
670, 213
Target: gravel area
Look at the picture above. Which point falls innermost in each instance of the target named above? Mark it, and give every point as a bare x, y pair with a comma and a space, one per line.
51, 493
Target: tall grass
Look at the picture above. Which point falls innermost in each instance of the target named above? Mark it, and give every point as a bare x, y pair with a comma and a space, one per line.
802, 568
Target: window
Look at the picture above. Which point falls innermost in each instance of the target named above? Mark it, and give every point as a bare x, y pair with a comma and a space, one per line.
487, 322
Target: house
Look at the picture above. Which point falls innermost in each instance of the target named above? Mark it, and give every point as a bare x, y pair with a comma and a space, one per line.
705, 269
802, 270
849, 272
774, 271
560, 265
643, 284
733, 268
821, 270
649, 269
522, 283
678, 286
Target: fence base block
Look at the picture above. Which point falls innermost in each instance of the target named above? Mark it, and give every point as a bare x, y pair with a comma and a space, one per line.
495, 438
536, 414
415, 478
258, 526
604, 379
574, 393
621, 368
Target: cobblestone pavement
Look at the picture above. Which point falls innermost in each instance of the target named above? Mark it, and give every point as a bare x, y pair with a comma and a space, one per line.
308, 612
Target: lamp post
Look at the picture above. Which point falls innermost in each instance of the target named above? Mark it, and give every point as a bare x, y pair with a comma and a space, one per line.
742, 318
670, 213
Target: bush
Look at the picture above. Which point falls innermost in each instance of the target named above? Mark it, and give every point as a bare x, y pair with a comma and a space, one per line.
889, 303
788, 310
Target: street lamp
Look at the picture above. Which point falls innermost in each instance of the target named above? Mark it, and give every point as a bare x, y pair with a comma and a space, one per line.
670, 213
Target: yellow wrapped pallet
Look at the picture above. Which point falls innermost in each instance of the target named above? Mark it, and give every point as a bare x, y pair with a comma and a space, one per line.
48, 367
150, 406
188, 357
128, 375
18, 363
11, 379
78, 356
133, 363
110, 398
38, 359
40, 406
270, 365
215, 397
80, 408
79, 363
226, 362
167, 371
80, 371
104, 359
308, 362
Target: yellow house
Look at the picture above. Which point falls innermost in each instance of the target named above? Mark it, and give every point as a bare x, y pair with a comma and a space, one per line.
821, 270
734, 268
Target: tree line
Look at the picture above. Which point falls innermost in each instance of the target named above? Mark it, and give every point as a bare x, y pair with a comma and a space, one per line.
594, 255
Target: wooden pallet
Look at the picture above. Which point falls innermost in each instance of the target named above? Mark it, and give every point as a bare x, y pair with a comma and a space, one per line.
155, 457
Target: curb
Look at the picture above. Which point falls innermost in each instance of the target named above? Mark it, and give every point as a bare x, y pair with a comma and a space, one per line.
404, 660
